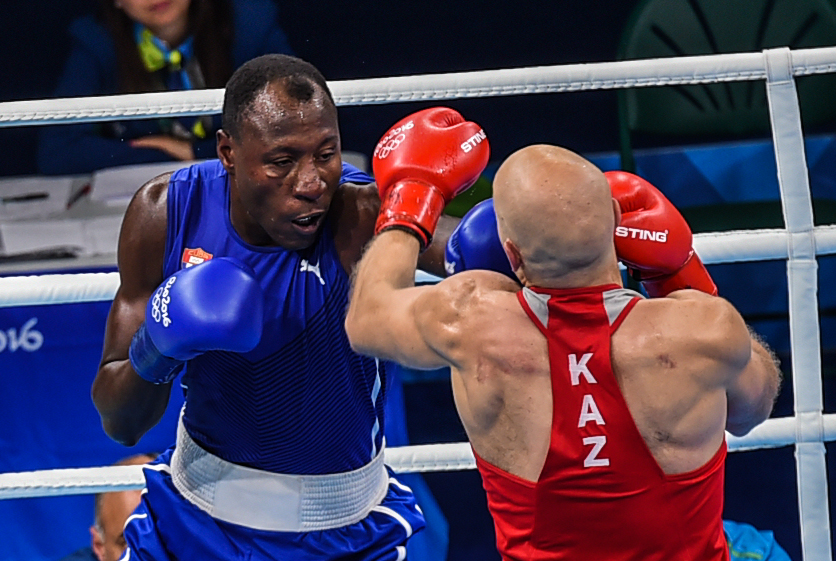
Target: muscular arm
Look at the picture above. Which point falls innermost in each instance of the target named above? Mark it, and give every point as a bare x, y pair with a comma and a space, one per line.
745, 367
752, 393
421, 327
385, 312
128, 405
390, 318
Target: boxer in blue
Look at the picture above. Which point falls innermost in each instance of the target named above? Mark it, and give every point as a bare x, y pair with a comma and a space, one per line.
235, 273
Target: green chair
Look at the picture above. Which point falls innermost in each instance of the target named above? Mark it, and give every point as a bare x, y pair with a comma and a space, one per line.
732, 110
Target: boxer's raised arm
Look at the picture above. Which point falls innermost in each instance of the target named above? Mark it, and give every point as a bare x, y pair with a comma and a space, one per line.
420, 164
388, 316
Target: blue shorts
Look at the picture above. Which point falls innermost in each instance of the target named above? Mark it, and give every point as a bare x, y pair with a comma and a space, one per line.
166, 527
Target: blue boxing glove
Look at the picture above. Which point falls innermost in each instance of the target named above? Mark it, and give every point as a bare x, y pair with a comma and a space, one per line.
217, 305
474, 244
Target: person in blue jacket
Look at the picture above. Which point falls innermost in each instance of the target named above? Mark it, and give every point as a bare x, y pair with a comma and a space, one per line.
154, 45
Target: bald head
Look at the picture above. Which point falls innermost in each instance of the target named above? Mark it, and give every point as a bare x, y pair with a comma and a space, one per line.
555, 208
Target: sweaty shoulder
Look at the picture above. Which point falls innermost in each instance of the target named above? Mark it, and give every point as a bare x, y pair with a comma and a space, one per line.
464, 306
152, 196
708, 325
476, 286
352, 215
142, 239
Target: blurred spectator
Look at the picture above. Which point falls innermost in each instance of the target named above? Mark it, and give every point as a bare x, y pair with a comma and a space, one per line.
747, 542
112, 510
154, 45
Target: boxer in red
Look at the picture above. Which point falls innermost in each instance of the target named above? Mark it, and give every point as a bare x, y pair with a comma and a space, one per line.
597, 416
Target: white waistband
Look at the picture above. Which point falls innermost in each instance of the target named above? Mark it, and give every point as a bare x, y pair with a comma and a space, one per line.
273, 501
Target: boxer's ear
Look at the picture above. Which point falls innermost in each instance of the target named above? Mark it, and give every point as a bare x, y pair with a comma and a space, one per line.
226, 151
616, 210
515, 258
97, 542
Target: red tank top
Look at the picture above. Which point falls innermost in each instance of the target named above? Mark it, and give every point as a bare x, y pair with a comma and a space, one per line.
601, 494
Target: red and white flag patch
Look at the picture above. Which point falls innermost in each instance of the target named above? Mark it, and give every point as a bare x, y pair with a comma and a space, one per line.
192, 257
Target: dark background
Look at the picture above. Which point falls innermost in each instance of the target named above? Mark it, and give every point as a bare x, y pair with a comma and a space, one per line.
349, 40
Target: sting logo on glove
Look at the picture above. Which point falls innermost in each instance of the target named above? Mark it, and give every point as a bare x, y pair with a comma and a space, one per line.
641, 234
647, 216
474, 141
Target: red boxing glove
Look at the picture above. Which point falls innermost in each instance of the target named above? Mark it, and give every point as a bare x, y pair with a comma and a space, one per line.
653, 240
421, 163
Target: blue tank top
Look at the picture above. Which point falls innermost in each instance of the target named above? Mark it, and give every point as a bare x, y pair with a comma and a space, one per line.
302, 401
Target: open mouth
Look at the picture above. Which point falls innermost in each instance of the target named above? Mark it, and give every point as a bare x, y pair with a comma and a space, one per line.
308, 222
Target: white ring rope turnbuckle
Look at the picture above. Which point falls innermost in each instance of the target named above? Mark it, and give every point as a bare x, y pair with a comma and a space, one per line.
799, 243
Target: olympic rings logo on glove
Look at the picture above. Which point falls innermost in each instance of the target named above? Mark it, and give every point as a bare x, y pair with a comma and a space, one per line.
392, 140
159, 304
382, 151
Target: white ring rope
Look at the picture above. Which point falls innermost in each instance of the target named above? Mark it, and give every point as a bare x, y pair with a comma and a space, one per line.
421, 458
799, 243
486, 83
713, 248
